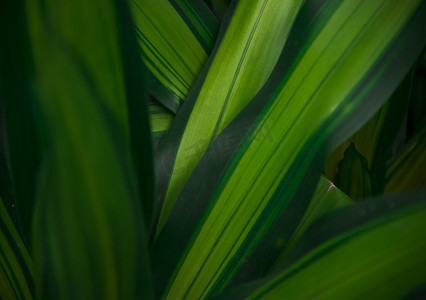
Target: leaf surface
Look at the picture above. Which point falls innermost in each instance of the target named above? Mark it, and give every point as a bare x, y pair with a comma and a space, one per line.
333, 75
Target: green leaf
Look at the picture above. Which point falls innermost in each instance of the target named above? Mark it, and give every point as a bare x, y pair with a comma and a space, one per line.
406, 170
256, 34
354, 177
115, 72
333, 75
16, 274
200, 19
135, 79
374, 139
417, 108
374, 249
326, 199
175, 38
219, 7
89, 233
160, 120
16, 267
16, 97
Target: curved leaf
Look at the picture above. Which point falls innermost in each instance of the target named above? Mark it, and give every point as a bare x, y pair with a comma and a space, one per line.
89, 232
16, 100
354, 177
174, 41
333, 75
242, 62
160, 120
326, 199
372, 249
16, 266
373, 141
16, 274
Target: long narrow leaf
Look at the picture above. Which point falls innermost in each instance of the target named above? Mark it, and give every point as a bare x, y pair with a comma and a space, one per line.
244, 59
115, 72
89, 235
16, 266
385, 240
88, 232
160, 120
326, 199
16, 97
174, 42
333, 75
16, 278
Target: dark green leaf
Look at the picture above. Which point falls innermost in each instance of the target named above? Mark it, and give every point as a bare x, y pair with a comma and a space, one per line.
406, 170
354, 177
256, 33
175, 38
384, 239
16, 97
332, 77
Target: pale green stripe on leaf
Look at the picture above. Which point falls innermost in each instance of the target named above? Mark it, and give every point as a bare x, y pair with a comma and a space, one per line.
244, 60
384, 264
160, 118
338, 59
169, 48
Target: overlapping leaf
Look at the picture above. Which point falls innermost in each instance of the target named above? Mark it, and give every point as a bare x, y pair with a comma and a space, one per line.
175, 38
384, 239
371, 143
16, 97
326, 199
245, 56
354, 176
334, 74
16, 266
115, 72
160, 120
89, 234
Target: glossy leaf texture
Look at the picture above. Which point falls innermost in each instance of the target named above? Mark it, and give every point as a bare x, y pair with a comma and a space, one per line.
406, 170
326, 199
245, 56
332, 76
175, 39
89, 234
382, 236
